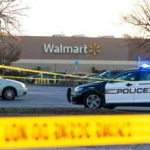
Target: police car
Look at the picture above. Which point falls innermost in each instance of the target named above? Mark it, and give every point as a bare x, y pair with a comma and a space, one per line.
129, 88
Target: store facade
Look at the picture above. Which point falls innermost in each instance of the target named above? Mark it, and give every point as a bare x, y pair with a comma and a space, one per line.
74, 53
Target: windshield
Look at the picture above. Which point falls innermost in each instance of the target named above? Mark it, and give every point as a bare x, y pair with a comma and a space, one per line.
128, 76
108, 74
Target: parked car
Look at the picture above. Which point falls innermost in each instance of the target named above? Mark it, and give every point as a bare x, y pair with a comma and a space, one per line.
9, 89
129, 88
107, 74
102, 76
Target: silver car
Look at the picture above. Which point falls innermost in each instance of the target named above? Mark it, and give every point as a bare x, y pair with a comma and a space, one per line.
9, 89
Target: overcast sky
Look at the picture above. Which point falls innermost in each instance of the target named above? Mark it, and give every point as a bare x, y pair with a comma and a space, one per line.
76, 17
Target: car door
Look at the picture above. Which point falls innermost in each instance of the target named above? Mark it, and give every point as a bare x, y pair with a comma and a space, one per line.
121, 89
142, 94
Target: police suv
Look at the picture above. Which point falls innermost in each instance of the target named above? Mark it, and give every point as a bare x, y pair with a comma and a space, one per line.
129, 88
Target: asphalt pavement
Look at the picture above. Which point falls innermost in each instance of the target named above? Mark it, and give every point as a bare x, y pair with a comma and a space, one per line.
40, 96
52, 97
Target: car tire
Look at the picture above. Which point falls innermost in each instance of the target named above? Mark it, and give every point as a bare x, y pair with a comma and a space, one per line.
92, 100
9, 93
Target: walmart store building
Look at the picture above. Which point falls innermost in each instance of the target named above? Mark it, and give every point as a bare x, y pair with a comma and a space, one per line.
80, 53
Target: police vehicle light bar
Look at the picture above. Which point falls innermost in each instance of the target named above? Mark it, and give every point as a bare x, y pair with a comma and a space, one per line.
145, 66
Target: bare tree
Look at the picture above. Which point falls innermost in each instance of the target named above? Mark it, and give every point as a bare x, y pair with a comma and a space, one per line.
10, 13
140, 17
9, 50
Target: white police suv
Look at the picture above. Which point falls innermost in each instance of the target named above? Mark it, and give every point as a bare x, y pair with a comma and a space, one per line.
9, 89
129, 88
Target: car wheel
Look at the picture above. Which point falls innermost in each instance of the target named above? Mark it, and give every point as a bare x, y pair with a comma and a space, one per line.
9, 94
92, 100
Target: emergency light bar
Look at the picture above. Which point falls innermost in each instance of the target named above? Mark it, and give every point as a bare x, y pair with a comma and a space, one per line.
146, 66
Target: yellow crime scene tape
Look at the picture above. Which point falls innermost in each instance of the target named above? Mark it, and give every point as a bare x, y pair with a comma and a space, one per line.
76, 78
35, 71
73, 77
64, 131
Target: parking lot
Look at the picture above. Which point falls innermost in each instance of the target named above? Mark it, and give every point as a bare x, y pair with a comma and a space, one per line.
40, 96
54, 97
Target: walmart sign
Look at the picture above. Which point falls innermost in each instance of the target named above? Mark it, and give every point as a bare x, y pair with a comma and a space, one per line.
63, 49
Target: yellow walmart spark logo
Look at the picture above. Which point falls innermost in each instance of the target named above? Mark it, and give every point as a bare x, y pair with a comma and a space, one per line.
94, 49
